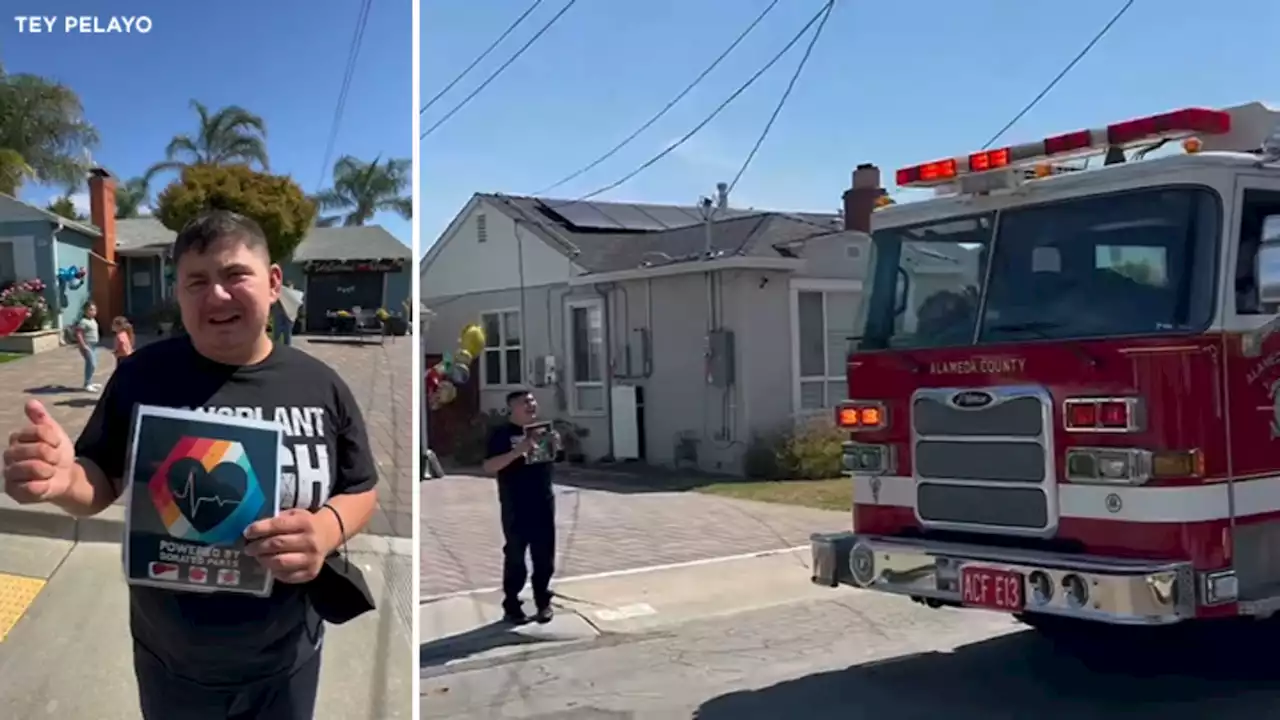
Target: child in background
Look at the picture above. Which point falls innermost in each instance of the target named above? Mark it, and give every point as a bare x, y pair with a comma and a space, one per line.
86, 334
124, 337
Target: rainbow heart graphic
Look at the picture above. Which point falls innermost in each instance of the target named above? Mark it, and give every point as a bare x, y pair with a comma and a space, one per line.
198, 488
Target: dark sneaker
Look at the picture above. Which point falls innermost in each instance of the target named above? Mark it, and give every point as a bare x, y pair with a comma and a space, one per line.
515, 616
543, 615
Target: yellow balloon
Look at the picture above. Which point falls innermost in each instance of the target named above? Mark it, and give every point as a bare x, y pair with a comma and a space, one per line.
472, 339
462, 357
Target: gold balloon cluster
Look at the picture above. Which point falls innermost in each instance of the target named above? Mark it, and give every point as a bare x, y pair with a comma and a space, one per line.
454, 368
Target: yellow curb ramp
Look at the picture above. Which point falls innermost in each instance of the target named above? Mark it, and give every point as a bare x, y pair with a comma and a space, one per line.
17, 593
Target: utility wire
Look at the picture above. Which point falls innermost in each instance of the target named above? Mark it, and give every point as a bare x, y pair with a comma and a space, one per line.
627, 141
782, 101
480, 58
353, 54
494, 75
706, 121
1047, 88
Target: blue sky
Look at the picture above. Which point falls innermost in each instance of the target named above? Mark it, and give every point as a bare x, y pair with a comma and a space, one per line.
282, 59
894, 83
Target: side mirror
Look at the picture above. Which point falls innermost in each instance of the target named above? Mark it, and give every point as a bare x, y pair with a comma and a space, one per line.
904, 291
1267, 264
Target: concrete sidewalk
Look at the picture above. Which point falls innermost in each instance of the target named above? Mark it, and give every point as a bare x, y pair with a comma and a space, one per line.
68, 652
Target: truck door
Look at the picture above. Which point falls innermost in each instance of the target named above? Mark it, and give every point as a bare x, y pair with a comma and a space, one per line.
1251, 351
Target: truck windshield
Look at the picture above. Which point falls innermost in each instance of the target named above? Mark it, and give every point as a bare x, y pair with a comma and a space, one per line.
1132, 263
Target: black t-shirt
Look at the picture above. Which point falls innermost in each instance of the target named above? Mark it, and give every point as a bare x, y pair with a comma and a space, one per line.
225, 639
519, 478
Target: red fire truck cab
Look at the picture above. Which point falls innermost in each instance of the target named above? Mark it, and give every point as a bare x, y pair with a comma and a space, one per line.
1065, 402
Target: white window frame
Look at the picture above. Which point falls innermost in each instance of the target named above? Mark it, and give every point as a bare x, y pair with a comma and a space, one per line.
574, 408
502, 349
814, 285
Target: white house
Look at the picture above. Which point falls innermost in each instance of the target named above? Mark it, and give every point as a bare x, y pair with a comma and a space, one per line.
671, 339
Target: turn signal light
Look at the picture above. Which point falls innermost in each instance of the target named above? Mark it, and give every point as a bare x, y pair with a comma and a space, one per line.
857, 415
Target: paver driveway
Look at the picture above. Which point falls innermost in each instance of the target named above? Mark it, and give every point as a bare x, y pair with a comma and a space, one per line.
601, 531
379, 377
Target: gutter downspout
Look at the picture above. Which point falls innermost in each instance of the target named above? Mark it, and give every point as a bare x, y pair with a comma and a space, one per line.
59, 226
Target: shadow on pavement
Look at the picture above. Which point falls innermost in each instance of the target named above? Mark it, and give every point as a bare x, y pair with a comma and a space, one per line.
1233, 676
84, 402
472, 642
52, 390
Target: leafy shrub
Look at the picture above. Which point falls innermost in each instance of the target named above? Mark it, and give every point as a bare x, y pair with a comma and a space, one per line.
764, 457
812, 451
470, 445
28, 294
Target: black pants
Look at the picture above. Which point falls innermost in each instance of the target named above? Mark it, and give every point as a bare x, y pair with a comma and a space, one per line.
165, 697
528, 526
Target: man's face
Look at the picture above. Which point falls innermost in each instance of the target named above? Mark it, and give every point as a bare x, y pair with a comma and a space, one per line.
225, 294
524, 409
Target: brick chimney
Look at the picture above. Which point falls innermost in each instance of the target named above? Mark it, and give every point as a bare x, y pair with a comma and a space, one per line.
860, 199
106, 280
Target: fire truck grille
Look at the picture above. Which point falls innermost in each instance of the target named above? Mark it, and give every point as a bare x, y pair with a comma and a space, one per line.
1017, 417
974, 505
983, 466
996, 461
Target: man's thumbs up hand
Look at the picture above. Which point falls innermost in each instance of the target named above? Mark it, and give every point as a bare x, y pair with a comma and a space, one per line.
39, 460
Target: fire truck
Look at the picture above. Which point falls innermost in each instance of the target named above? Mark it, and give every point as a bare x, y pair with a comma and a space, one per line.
1065, 401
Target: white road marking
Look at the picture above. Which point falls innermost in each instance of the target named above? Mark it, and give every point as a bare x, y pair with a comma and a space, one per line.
626, 612
623, 573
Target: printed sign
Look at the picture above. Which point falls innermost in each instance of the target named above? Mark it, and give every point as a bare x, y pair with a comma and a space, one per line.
544, 448
195, 482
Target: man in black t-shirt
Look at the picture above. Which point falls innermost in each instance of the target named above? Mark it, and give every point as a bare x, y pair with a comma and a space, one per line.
214, 656
528, 507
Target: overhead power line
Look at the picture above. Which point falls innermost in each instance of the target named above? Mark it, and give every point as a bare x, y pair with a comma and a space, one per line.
353, 54
494, 75
782, 101
714, 113
480, 58
1074, 61
667, 108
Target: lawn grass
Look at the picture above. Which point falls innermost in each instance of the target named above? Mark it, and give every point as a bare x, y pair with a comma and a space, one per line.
832, 494
6, 357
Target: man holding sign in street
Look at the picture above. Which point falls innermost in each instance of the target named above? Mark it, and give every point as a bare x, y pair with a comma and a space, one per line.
207, 655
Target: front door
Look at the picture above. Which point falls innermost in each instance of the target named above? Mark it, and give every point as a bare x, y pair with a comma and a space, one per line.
340, 291
1251, 348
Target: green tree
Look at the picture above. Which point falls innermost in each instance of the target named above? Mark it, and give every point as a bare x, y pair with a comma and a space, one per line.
277, 203
228, 136
361, 189
66, 208
43, 133
130, 197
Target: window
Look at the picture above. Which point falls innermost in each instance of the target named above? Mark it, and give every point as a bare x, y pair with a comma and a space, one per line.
825, 320
503, 357
482, 228
586, 355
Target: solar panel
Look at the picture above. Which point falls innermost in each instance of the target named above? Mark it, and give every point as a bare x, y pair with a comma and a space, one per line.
673, 217
630, 216
585, 216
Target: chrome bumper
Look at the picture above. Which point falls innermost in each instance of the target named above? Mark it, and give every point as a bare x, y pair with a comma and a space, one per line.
1119, 591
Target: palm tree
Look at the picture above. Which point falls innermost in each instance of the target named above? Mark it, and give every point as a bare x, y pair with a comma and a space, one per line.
130, 197
43, 133
361, 189
231, 135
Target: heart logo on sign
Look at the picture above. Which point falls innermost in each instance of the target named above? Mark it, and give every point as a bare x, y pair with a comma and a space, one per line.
206, 497
206, 491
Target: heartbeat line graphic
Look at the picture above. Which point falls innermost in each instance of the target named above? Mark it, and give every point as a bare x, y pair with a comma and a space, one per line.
195, 501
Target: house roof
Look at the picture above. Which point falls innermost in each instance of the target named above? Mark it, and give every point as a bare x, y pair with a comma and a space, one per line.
11, 208
368, 242
609, 236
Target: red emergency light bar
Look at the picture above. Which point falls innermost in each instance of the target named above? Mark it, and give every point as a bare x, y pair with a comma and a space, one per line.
1191, 121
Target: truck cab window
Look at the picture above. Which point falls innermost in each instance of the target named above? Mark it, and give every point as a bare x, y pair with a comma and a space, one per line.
1258, 204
